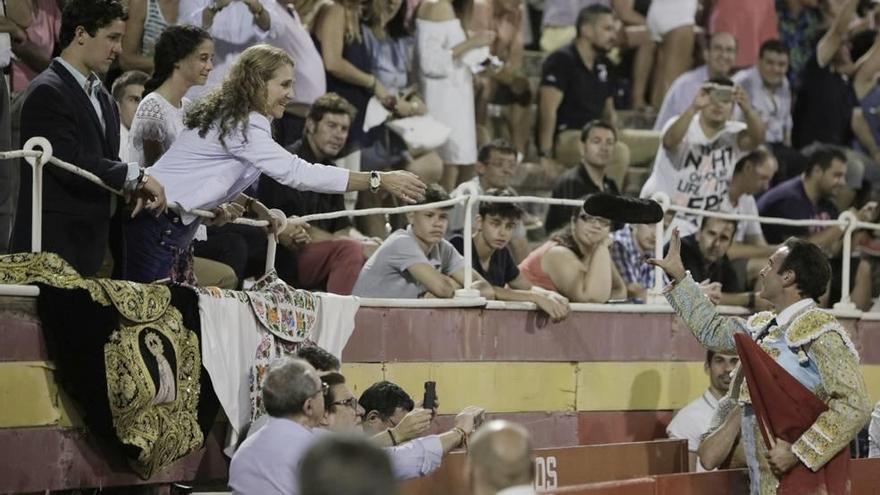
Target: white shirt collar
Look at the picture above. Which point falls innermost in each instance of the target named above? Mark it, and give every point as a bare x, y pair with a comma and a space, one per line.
786, 315
87, 83
710, 399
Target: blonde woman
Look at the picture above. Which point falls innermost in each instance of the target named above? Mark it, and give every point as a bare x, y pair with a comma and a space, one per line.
226, 145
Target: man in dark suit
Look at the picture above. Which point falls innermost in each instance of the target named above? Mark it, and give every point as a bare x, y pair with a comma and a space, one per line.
68, 105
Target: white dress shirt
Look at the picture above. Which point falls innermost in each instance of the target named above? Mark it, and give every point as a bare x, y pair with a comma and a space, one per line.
203, 173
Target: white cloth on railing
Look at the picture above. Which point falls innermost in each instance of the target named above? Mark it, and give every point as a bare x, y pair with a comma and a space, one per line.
201, 173
335, 322
243, 331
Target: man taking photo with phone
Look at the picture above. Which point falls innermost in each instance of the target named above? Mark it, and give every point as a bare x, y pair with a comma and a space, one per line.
700, 149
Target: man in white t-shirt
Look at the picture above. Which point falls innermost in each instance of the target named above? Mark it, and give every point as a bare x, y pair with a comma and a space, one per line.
699, 149
751, 176
693, 420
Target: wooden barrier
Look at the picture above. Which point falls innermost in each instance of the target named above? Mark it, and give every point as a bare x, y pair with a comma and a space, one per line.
570, 466
864, 476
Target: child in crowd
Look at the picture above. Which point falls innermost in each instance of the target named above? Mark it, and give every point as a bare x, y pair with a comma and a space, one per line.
492, 259
417, 261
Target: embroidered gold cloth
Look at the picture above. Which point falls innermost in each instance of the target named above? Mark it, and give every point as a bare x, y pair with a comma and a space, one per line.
152, 361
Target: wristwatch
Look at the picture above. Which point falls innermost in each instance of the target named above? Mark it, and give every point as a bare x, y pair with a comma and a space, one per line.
142, 178
375, 181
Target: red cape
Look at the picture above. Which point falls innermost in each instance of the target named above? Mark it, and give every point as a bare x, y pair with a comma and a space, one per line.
785, 409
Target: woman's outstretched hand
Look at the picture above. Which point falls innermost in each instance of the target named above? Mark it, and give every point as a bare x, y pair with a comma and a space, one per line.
404, 185
671, 264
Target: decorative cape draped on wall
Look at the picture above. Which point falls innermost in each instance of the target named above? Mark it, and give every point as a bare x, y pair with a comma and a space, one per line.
126, 354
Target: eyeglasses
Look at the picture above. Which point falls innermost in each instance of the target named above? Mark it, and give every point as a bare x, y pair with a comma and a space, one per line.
604, 222
325, 389
349, 402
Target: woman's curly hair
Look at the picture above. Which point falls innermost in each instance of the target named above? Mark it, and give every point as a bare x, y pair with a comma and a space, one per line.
242, 91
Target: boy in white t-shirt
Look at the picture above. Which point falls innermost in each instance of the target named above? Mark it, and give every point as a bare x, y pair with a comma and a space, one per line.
699, 148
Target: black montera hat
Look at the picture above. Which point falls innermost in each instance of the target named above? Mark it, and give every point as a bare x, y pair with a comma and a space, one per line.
623, 209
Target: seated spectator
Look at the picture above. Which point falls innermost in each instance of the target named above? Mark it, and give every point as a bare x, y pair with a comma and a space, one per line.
126, 91
417, 261
699, 150
290, 34
390, 43
809, 196
751, 176
671, 24
704, 254
332, 255
576, 88
267, 461
769, 92
496, 167
412, 459
146, 21
576, 262
500, 460
492, 260
719, 64
320, 359
557, 29
346, 465
692, 421
630, 247
597, 139
509, 86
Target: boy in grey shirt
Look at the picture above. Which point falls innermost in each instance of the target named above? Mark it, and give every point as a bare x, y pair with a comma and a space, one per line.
418, 261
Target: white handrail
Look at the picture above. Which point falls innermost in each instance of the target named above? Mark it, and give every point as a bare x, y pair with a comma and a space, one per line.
37, 158
847, 221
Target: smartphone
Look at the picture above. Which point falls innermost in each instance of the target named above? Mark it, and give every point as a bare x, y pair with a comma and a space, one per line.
430, 399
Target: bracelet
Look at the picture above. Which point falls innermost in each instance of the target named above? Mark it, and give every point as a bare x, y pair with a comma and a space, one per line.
391, 434
464, 436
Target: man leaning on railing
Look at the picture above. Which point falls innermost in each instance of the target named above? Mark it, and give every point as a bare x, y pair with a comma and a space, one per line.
68, 105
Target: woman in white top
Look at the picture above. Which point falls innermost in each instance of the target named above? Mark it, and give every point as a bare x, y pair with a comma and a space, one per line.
447, 83
184, 57
226, 145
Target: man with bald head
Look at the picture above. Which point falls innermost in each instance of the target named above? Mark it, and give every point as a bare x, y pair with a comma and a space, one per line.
500, 460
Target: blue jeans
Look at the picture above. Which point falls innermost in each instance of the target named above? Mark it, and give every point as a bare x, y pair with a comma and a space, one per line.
159, 247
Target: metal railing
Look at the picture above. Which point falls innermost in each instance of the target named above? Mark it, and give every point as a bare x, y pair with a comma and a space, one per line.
465, 297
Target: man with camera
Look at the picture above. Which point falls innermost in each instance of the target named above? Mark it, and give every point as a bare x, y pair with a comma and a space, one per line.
700, 148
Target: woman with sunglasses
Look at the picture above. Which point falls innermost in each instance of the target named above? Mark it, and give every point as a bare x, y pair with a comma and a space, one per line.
576, 261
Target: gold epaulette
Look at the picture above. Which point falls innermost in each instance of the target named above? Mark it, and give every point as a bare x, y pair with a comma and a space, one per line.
811, 325
758, 321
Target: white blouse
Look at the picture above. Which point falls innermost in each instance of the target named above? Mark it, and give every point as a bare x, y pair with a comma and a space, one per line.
202, 173
156, 119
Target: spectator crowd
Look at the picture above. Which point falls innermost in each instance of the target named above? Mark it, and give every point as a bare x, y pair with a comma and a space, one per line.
279, 109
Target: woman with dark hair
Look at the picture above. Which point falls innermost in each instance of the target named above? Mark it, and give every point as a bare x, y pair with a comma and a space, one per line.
337, 34
183, 58
576, 261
